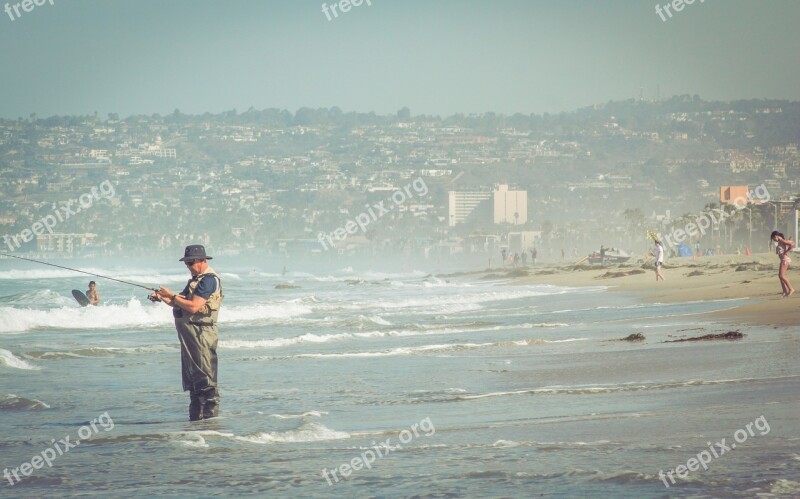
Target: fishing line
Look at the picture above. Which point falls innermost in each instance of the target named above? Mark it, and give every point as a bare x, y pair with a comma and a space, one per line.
81, 271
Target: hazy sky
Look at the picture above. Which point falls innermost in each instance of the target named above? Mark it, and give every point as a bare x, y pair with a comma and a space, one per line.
434, 56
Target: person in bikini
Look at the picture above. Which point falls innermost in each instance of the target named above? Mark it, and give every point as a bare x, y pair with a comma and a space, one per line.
782, 249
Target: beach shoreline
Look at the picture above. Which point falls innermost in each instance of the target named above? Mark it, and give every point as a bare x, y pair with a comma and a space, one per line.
752, 279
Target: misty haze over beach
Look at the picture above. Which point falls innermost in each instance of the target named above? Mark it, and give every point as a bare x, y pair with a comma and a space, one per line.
434, 225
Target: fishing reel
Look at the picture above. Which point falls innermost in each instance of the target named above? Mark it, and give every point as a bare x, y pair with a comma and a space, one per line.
154, 299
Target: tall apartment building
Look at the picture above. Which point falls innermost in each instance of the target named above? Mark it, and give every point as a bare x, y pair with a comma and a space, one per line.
510, 207
507, 207
462, 204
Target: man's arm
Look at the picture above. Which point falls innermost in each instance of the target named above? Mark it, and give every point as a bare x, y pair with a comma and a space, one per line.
192, 306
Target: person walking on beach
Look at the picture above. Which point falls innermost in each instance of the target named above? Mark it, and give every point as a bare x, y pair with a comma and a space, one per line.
782, 248
659, 255
92, 294
195, 310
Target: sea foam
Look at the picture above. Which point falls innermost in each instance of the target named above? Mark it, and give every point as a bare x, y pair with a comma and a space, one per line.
8, 359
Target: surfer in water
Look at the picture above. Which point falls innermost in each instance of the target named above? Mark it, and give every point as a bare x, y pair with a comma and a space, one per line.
195, 310
92, 294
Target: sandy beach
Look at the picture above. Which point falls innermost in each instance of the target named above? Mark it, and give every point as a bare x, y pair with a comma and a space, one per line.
753, 278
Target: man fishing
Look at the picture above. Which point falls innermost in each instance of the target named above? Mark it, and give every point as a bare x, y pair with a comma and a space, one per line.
195, 310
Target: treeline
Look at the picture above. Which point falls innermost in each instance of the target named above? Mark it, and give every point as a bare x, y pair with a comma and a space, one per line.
633, 114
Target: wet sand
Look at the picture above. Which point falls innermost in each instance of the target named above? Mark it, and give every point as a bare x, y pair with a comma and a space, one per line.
754, 278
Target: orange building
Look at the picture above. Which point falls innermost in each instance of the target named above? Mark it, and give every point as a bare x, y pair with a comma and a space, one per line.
734, 194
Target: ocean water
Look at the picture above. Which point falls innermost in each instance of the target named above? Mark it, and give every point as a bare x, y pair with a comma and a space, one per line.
365, 383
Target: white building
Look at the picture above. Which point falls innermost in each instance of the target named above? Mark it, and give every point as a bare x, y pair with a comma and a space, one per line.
510, 207
462, 204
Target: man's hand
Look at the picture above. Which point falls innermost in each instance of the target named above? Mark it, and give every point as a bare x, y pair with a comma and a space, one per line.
164, 293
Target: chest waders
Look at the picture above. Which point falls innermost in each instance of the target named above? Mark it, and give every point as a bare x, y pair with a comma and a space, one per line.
199, 337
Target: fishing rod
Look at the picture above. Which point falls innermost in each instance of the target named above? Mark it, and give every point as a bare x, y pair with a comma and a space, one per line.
81, 271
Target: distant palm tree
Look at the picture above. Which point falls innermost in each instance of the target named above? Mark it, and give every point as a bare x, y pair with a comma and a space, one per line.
634, 219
